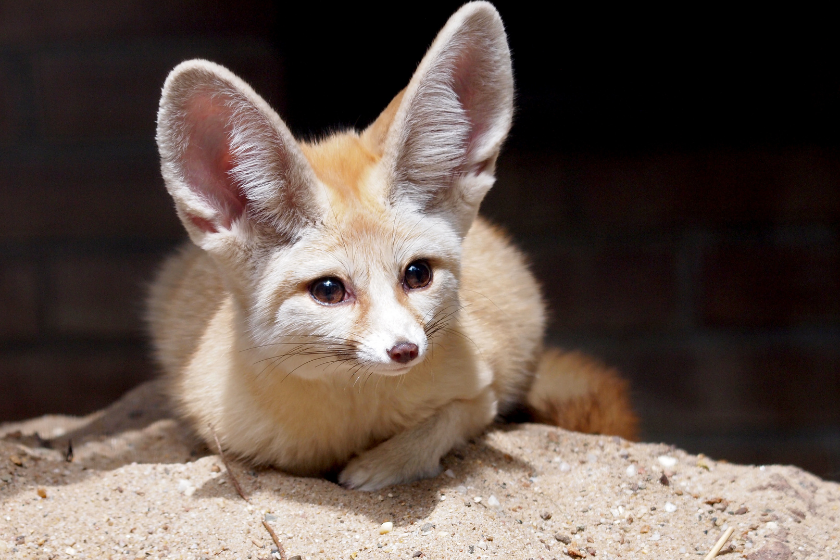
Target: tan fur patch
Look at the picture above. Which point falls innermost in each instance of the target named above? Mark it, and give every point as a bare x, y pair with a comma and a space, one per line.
343, 163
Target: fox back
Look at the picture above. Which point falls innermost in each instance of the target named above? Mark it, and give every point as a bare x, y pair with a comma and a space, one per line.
341, 306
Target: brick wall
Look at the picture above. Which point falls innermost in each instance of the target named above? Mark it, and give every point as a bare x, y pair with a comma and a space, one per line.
694, 245
84, 217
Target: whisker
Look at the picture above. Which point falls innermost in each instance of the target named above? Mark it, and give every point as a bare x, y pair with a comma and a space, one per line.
338, 341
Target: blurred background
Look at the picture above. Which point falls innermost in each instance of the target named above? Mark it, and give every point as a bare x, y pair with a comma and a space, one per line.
676, 184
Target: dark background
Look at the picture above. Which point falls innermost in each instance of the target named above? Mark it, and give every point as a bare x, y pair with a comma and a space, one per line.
674, 177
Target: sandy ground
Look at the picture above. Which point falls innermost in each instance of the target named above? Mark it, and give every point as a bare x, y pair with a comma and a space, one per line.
140, 486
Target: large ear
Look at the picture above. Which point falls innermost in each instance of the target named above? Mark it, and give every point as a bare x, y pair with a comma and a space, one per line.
446, 133
228, 160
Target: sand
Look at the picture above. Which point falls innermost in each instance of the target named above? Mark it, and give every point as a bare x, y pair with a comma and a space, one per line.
140, 486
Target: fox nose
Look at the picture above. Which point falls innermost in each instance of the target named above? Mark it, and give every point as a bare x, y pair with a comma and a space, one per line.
403, 352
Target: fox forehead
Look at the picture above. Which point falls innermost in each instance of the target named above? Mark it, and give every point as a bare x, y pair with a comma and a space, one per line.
360, 220
346, 165
355, 243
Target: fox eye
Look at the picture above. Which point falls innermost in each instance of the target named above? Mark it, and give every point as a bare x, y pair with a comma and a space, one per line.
327, 290
418, 274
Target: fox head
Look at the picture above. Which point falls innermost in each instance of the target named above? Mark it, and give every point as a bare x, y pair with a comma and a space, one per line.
342, 253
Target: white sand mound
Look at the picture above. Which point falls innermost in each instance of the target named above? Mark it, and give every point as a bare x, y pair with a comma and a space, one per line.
140, 486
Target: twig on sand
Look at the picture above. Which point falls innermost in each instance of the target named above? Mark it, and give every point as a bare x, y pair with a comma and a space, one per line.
236, 485
279, 546
227, 466
721, 541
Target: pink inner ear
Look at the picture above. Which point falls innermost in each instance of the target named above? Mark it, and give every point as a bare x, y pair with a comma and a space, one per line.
208, 160
478, 106
204, 225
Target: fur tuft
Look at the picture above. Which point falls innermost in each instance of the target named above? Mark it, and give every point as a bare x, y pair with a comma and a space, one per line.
577, 392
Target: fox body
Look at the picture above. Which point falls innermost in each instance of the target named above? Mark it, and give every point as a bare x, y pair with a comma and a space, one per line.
341, 306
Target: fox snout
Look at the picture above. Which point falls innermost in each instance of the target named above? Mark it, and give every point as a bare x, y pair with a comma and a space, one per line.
403, 352
394, 352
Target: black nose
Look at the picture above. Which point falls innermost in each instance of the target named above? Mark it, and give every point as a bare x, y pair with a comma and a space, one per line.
403, 352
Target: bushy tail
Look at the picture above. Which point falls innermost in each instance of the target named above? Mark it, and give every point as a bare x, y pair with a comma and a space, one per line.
577, 392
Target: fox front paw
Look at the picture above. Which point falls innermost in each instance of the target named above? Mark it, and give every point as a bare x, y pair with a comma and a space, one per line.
372, 471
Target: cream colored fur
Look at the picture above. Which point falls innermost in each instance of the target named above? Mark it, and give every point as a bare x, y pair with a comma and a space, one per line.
308, 387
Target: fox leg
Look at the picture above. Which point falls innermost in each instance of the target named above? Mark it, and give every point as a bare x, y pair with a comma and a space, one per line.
416, 452
579, 393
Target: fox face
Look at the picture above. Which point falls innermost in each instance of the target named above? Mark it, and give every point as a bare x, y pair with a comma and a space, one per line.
342, 256
358, 294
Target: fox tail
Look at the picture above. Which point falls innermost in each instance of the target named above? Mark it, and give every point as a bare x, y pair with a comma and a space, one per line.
577, 392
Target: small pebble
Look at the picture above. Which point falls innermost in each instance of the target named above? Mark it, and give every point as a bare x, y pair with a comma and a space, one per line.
16, 460
563, 538
741, 510
184, 486
427, 527
386, 527
450, 474
492, 501
546, 515
632, 470
565, 467
477, 499
670, 508
663, 480
417, 554
42, 492
667, 461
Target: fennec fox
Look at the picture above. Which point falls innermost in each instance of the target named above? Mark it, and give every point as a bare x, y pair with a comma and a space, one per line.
341, 308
